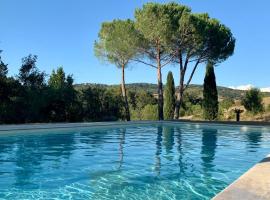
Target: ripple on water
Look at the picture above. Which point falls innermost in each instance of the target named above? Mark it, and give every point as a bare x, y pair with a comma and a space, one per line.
179, 161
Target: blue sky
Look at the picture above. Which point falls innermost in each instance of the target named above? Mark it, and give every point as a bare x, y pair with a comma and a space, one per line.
62, 33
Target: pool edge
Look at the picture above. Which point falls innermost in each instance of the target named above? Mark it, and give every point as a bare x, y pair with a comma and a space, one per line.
253, 184
37, 126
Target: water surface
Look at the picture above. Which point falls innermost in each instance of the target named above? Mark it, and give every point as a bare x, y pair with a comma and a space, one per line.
150, 161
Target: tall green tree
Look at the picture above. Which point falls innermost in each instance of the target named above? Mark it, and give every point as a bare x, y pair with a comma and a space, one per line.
169, 101
210, 94
29, 74
4, 91
3, 81
11, 99
3, 68
57, 79
153, 21
196, 39
253, 101
33, 85
63, 103
117, 44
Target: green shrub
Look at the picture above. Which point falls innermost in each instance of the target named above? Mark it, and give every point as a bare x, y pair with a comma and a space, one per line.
135, 114
150, 112
252, 101
268, 108
226, 103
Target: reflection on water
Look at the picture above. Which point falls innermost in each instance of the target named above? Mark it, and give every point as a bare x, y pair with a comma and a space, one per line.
121, 146
168, 141
209, 145
142, 162
254, 138
28, 158
158, 149
181, 163
208, 150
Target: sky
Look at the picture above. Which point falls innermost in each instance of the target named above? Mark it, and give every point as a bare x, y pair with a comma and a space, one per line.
62, 33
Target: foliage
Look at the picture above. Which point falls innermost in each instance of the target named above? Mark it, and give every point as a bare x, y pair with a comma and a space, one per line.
202, 38
196, 39
268, 108
153, 21
193, 97
57, 79
169, 102
28, 98
226, 103
193, 91
190, 109
252, 101
210, 95
29, 75
10, 97
32, 90
3, 68
100, 104
149, 112
192, 105
63, 104
118, 44
139, 100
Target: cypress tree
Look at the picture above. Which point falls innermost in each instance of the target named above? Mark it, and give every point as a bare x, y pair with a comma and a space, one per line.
169, 101
210, 94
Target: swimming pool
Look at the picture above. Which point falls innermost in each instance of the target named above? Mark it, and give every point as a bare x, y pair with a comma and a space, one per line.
136, 161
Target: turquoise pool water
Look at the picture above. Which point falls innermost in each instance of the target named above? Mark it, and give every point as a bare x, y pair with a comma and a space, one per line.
150, 161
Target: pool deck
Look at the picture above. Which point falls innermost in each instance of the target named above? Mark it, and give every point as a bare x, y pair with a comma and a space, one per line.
254, 184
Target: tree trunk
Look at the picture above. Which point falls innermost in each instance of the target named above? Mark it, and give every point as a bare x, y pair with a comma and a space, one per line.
179, 99
160, 90
124, 94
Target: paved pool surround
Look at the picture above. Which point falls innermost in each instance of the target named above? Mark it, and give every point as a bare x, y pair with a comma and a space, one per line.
254, 184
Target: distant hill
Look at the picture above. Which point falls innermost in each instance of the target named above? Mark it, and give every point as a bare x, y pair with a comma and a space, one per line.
194, 89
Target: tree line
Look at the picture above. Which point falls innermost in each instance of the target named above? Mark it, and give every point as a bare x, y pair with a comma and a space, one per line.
163, 34
31, 97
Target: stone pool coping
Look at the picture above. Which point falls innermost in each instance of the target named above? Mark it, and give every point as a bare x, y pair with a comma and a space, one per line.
36, 126
254, 184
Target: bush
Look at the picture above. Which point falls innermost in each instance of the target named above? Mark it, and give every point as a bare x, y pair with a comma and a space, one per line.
226, 103
101, 104
135, 114
150, 112
252, 101
138, 100
190, 109
268, 108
